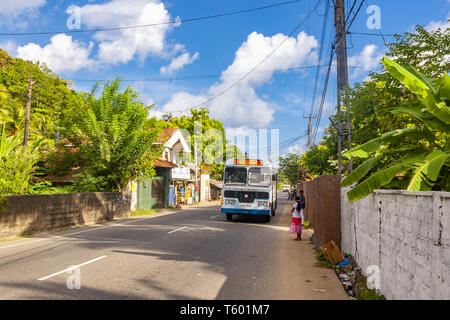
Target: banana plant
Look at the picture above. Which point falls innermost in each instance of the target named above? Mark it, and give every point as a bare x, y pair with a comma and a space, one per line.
7, 144
423, 166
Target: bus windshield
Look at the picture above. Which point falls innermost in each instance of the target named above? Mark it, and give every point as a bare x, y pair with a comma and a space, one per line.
259, 177
235, 176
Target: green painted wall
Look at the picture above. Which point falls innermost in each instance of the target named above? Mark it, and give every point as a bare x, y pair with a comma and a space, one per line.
144, 191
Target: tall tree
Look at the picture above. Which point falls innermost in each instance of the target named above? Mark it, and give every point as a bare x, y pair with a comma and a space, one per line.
117, 145
208, 143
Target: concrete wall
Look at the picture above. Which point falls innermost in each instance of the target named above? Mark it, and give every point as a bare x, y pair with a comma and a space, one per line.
322, 200
24, 215
407, 235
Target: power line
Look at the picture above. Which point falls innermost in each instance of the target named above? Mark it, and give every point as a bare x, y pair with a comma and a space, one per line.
204, 76
347, 27
372, 34
380, 33
201, 76
324, 93
287, 142
176, 21
339, 38
25, 96
351, 10
322, 41
255, 67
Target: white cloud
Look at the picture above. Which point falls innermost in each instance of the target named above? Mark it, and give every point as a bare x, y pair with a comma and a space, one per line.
297, 148
443, 24
14, 8
121, 46
241, 106
9, 46
239, 131
62, 54
367, 60
179, 62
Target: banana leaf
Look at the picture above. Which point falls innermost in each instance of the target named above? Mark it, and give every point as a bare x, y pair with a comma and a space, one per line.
443, 91
417, 86
427, 171
372, 146
384, 176
8, 144
369, 164
429, 82
361, 171
417, 112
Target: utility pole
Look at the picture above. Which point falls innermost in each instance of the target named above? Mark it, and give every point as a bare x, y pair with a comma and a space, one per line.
342, 71
27, 112
309, 130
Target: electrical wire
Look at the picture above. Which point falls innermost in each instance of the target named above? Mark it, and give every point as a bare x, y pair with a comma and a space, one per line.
176, 21
339, 39
373, 34
26, 96
381, 34
255, 67
322, 41
199, 77
351, 10
204, 76
324, 93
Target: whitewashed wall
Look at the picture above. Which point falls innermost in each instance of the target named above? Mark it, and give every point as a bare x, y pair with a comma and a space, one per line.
407, 235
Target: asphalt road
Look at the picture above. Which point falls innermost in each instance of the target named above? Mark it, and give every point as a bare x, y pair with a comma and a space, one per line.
189, 254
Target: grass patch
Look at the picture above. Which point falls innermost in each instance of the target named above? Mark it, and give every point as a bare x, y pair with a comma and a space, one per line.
323, 262
365, 293
14, 239
142, 212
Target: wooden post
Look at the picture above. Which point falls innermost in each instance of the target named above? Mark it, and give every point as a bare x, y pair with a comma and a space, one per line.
27, 112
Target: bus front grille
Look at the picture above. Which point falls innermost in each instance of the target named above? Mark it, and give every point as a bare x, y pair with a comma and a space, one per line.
246, 196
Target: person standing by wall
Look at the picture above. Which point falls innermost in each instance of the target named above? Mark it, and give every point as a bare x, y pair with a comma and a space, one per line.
296, 222
293, 194
302, 205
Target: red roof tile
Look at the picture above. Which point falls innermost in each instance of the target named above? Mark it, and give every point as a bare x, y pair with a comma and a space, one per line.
165, 134
164, 164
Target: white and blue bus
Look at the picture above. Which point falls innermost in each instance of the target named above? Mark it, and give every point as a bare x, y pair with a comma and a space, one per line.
250, 188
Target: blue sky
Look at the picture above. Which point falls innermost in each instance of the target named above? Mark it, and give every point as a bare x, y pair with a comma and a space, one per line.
273, 97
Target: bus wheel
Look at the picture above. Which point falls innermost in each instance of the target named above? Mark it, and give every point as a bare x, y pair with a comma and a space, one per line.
229, 216
267, 218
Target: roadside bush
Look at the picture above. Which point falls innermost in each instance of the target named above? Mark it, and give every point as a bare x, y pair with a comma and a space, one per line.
16, 171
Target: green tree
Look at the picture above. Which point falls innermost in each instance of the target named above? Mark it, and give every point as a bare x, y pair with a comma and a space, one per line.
321, 159
116, 143
188, 123
16, 165
289, 167
422, 151
53, 101
371, 101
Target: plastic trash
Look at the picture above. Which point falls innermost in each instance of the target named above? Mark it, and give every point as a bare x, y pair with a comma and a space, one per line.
344, 263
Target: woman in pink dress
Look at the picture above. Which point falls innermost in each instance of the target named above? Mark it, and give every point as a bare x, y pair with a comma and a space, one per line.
296, 222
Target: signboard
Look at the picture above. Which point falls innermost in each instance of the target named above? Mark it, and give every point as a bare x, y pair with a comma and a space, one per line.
248, 162
181, 173
206, 169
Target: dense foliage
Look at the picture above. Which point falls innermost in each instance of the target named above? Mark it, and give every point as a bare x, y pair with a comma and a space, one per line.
289, 167
211, 139
383, 104
116, 144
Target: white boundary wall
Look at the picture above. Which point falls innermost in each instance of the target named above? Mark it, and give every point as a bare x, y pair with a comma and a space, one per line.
407, 235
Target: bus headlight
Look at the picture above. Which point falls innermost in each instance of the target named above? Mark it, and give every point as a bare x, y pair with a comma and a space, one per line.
262, 204
229, 201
